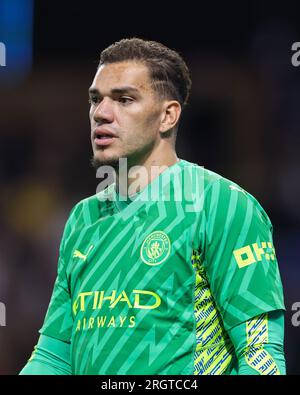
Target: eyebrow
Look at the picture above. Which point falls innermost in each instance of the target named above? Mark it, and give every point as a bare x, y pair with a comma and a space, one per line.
120, 90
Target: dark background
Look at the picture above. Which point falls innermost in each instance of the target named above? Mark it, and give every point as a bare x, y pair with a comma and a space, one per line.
242, 122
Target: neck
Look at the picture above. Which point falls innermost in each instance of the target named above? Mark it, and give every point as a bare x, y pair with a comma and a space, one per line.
138, 174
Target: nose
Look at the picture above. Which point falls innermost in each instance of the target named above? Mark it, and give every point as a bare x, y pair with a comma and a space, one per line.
104, 111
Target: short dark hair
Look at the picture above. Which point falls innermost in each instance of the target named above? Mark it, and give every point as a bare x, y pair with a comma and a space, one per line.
169, 73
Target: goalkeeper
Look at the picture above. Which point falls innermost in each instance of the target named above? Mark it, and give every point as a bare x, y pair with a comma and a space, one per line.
170, 269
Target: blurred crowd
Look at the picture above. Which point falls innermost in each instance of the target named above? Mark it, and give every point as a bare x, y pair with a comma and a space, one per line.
242, 122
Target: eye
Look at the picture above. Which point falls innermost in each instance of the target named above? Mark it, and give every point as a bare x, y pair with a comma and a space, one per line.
93, 99
125, 99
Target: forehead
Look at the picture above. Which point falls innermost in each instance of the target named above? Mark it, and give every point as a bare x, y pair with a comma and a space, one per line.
128, 73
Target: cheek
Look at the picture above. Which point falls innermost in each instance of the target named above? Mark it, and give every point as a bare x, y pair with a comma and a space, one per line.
139, 121
145, 119
153, 115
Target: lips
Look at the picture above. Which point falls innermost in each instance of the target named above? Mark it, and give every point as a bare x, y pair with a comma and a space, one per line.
103, 136
101, 132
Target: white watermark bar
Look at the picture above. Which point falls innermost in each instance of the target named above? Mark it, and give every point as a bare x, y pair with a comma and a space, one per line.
2, 314
2, 54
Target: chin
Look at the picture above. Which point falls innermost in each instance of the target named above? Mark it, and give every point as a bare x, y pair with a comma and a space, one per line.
105, 160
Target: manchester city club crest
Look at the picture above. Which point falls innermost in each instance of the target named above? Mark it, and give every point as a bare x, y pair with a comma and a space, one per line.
155, 248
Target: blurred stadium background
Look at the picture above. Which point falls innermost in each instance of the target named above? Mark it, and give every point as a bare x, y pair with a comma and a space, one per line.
243, 122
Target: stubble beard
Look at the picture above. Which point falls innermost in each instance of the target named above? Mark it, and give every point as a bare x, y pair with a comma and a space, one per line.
96, 162
133, 158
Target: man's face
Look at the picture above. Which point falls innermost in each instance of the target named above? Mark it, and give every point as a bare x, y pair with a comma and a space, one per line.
125, 113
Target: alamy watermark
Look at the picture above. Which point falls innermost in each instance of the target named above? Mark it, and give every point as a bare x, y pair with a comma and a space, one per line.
2, 54
184, 184
296, 315
295, 59
2, 314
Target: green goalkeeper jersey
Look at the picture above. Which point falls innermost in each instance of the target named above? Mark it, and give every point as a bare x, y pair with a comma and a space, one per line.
153, 285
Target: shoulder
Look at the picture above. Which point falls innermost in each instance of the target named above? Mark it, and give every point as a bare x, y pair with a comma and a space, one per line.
208, 177
222, 194
217, 185
227, 196
87, 210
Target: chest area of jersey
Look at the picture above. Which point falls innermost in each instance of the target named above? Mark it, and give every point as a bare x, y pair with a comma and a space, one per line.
120, 268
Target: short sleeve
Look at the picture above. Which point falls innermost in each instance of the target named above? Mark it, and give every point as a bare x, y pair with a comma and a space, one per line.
238, 254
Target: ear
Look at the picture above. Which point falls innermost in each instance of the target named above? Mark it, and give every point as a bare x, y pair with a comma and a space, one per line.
170, 115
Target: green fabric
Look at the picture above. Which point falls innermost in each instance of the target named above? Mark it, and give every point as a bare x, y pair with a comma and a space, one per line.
238, 254
50, 356
265, 354
129, 296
